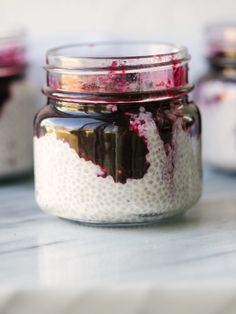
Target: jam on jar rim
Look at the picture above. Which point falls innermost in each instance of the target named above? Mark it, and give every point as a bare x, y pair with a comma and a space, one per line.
117, 71
221, 45
12, 51
12, 61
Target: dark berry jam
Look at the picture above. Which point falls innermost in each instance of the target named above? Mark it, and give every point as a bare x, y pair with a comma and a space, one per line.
5, 88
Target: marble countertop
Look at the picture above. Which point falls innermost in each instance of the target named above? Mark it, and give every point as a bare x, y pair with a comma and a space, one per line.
193, 256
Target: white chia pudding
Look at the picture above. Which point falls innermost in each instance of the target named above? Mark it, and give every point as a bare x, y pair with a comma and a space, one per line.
16, 115
70, 186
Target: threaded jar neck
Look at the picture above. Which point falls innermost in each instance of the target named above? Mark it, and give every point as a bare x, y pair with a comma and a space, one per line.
117, 71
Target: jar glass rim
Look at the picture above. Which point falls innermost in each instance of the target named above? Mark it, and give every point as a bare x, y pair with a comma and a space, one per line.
221, 27
122, 53
127, 67
11, 33
220, 38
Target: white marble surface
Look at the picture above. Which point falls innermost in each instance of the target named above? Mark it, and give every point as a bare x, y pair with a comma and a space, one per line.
190, 261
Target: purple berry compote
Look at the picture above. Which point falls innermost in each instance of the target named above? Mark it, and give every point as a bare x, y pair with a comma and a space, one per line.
216, 96
16, 109
118, 141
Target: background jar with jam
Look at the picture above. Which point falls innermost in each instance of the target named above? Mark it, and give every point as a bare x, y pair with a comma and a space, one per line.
16, 106
216, 97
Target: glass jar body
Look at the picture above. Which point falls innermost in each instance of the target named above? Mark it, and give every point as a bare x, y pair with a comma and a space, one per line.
16, 115
118, 163
216, 97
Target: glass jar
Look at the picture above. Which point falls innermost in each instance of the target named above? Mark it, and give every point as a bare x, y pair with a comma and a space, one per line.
118, 141
16, 109
216, 96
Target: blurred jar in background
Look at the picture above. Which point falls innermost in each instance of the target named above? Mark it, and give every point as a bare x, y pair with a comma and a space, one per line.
16, 106
216, 96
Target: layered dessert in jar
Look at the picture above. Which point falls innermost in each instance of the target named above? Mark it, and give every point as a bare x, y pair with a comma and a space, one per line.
16, 106
118, 141
216, 95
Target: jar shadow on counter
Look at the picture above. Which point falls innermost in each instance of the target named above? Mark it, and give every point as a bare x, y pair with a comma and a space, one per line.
18, 179
206, 212
177, 221
231, 173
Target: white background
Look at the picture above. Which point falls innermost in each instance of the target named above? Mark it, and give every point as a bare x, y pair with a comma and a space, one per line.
55, 22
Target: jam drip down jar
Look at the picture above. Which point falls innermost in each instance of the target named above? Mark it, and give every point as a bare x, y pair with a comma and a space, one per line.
118, 141
216, 96
16, 109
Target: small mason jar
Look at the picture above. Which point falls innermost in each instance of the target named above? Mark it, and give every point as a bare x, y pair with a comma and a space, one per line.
16, 106
216, 96
118, 141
